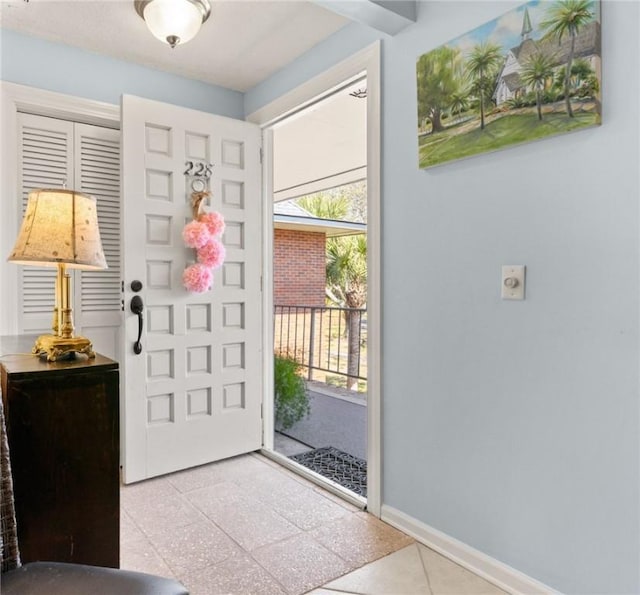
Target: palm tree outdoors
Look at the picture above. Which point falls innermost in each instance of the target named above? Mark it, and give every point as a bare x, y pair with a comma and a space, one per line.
347, 203
481, 66
325, 207
535, 73
346, 271
347, 288
568, 17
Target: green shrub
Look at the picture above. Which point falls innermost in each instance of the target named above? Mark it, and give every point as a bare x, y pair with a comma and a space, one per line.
516, 102
291, 400
588, 87
550, 96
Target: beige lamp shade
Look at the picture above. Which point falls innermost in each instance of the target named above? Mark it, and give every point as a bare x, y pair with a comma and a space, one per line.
60, 227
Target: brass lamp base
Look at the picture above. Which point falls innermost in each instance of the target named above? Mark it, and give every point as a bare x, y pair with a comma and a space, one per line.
56, 348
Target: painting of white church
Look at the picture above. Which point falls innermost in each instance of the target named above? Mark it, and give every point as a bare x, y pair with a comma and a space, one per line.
531, 73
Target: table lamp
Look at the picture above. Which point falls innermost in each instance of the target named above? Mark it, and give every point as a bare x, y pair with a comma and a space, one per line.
60, 228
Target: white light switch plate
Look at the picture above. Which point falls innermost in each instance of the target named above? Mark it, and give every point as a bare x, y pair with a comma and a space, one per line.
513, 278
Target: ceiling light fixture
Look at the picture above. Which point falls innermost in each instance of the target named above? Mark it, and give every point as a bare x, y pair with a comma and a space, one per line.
359, 94
174, 21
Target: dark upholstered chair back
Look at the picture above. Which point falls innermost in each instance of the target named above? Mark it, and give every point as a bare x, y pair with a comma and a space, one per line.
9, 553
58, 578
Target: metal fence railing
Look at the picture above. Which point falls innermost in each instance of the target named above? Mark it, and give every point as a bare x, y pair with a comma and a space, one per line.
325, 340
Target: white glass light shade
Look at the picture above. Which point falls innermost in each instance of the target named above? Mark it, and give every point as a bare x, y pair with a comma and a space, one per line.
173, 21
60, 226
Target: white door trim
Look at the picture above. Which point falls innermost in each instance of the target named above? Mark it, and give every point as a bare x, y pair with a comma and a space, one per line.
268, 426
366, 60
16, 98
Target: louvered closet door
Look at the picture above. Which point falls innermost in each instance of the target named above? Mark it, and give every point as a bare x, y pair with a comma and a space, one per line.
86, 158
45, 161
98, 293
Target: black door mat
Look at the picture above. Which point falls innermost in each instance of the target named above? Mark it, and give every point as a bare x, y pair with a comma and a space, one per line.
346, 470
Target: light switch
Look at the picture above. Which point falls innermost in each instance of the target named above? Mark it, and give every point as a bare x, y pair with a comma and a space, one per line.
513, 276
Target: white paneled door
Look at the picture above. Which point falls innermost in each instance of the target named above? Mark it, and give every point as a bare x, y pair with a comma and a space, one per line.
193, 393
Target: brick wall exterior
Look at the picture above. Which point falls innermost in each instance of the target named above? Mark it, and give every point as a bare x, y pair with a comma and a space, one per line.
298, 268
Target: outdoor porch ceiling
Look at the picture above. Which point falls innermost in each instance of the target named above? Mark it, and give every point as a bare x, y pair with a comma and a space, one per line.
323, 146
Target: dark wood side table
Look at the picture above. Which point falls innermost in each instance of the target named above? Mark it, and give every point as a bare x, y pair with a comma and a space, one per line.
63, 431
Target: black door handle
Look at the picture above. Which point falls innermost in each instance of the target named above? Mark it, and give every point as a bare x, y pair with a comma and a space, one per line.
137, 307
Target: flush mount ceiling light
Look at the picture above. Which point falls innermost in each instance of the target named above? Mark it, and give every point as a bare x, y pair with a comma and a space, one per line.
174, 21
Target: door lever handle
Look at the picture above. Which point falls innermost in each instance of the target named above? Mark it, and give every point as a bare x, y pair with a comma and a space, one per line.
137, 307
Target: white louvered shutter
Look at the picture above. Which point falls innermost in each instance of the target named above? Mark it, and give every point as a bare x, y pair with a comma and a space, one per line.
85, 158
45, 161
97, 293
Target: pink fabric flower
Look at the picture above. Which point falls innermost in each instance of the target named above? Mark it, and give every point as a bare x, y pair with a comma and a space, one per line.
197, 278
196, 234
212, 254
214, 222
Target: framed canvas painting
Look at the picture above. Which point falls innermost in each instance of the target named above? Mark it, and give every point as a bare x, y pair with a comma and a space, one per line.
534, 72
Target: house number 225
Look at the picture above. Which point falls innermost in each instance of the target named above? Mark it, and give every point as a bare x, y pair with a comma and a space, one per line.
198, 169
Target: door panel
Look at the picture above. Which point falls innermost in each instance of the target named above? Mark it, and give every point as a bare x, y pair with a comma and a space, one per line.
193, 395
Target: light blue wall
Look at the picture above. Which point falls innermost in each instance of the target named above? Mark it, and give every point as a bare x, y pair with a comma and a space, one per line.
512, 426
523, 415
57, 67
340, 45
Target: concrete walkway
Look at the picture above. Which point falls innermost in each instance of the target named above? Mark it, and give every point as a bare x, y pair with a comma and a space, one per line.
335, 420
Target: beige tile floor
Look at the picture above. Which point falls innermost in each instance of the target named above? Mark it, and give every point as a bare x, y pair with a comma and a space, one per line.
248, 526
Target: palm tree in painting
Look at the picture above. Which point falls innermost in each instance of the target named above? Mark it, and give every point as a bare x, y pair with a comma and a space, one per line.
535, 73
459, 102
568, 17
481, 65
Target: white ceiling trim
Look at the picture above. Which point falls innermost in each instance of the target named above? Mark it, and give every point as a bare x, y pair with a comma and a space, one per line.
388, 16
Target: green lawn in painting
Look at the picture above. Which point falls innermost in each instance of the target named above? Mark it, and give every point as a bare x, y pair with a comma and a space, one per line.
467, 139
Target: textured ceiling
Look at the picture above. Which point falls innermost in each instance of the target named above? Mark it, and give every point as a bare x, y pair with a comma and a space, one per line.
242, 43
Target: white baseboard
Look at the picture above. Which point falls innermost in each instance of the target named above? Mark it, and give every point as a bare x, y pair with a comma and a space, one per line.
492, 570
